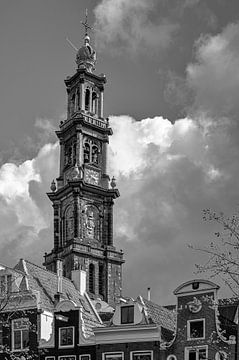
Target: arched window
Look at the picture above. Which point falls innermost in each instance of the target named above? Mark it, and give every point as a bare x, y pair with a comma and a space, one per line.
101, 279
74, 154
78, 99
94, 103
87, 99
94, 154
92, 278
69, 224
86, 153
73, 98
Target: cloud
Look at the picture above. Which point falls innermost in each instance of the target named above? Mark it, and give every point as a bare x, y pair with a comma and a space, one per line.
127, 25
167, 174
214, 76
25, 212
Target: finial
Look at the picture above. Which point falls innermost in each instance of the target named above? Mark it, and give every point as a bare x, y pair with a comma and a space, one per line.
86, 56
53, 186
113, 182
86, 25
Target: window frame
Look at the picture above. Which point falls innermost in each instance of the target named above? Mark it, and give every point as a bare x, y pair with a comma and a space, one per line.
63, 357
50, 357
113, 353
21, 330
123, 307
197, 347
83, 355
189, 332
141, 352
73, 338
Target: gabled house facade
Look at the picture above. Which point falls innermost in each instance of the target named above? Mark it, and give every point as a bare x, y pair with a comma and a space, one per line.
203, 327
134, 331
45, 315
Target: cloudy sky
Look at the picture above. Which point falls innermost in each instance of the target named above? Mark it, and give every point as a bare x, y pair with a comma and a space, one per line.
173, 100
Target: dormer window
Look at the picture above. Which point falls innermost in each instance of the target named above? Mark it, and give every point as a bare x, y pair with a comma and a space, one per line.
127, 314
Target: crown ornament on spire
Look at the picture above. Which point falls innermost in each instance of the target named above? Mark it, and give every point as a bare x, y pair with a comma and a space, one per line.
86, 56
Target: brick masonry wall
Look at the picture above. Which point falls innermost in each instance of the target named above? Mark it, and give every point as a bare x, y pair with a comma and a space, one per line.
207, 312
127, 348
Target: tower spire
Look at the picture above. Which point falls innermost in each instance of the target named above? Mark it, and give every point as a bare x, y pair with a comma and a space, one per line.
85, 24
86, 56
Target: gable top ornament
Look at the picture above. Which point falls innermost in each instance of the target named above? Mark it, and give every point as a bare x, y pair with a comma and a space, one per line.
86, 55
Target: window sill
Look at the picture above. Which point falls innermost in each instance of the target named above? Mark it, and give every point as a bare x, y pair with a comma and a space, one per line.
193, 339
66, 346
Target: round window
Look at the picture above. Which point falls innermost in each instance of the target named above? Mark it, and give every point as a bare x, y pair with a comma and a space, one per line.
171, 357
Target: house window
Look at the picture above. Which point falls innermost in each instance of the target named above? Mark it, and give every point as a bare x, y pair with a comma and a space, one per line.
141, 355
50, 358
196, 329
67, 357
196, 353
127, 314
66, 336
113, 356
84, 357
20, 334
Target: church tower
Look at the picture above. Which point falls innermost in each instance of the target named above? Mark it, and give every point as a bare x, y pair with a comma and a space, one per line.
82, 199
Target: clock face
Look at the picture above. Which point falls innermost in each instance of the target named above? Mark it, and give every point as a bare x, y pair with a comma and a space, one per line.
92, 176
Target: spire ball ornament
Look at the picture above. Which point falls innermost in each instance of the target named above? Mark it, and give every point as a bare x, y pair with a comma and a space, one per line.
113, 183
53, 186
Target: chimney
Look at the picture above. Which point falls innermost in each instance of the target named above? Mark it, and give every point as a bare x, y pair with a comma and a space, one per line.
59, 275
149, 293
78, 278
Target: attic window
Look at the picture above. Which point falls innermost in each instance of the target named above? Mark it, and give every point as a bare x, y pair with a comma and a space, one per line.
66, 337
196, 329
127, 314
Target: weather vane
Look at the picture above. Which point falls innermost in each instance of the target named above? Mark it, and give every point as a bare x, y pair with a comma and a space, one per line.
85, 24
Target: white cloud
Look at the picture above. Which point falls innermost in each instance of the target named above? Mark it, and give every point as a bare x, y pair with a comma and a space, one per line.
167, 174
23, 204
126, 25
